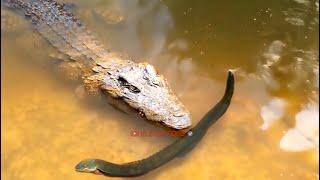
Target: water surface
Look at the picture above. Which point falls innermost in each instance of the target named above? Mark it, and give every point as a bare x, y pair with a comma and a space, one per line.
269, 132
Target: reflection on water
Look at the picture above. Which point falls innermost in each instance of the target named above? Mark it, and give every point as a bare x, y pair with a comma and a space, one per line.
305, 134
272, 112
269, 132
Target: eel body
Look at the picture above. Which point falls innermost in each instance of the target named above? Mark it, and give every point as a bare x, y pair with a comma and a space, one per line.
179, 147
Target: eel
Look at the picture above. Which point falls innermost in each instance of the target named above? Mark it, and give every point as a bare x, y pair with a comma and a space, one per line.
180, 147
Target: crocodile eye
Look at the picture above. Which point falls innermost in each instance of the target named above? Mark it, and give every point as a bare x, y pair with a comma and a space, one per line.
124, 83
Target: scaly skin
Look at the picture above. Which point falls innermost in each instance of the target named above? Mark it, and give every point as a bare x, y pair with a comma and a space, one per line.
137, 84
182, 145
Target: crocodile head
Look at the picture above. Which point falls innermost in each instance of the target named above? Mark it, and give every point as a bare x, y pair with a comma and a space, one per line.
140, 86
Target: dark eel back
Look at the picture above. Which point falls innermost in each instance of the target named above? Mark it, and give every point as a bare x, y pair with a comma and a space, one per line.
182, 145
55, 22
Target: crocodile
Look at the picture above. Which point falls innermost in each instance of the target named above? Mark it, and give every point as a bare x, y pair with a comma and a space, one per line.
139, 85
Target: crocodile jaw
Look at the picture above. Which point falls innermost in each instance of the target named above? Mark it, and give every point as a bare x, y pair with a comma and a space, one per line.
144, 89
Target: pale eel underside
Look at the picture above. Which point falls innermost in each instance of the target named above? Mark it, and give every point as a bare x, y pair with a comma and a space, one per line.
180, 146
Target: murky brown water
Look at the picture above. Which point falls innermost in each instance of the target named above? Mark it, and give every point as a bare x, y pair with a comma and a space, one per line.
47, 128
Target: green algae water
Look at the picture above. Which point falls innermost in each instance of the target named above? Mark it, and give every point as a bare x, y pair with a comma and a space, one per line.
270, 130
